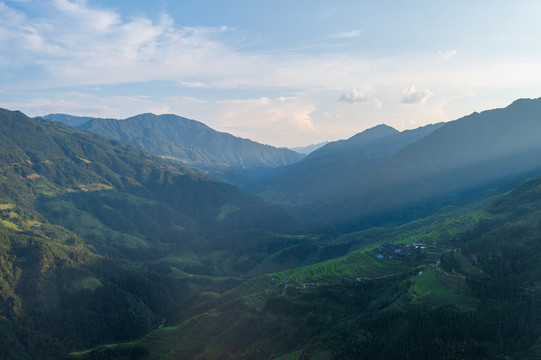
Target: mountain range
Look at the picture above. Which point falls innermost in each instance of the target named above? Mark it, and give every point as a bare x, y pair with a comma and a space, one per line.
468, 290
378, 177
382, 176
418, 244
309, 148
220, 155
79, 211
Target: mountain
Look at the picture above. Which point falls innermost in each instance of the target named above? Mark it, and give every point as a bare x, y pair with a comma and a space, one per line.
334, 170
69, 120
120, 199
85, 223
107, 248
410, 177
190, 142
309, 148
356, 141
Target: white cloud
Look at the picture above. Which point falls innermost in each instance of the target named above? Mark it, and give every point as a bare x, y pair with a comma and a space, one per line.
10, 16
70, 106
282, 120
74, 44
447, 53
184, 100
413, 96
355, 96
98, 20
56, 45
193, 84
269, 113
348, 34
159, 110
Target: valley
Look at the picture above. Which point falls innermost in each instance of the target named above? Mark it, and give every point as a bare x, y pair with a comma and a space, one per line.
270, 180
109, 252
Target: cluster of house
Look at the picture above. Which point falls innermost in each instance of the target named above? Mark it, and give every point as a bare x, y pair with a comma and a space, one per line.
273, 280
391, 251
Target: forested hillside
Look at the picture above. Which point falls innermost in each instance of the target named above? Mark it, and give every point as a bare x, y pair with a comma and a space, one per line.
404, 176
471, 293
335, 169
108, 252
83, 221
222, 156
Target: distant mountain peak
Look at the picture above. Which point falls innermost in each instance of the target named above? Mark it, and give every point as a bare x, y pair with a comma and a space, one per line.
309, 148
373, 133
524, 101
364, 137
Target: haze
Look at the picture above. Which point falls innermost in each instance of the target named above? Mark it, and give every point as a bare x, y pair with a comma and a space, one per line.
280, 73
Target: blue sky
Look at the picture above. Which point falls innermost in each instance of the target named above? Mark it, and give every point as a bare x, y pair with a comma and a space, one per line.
285, 73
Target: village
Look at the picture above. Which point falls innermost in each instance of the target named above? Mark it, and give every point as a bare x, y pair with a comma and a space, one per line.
392, 251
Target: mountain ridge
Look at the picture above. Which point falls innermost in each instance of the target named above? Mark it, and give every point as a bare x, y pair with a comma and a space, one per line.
191, 142
309, 148
458, 159
102, 243
321, 175
91, 230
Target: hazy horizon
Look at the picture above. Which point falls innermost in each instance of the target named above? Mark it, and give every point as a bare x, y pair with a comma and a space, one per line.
280, 73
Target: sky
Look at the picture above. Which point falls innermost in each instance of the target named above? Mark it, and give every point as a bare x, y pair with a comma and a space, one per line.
284, 73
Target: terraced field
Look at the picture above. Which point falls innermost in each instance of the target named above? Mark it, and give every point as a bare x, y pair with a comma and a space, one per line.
6, 206
441, 228
357, 266
434, 286
428, 284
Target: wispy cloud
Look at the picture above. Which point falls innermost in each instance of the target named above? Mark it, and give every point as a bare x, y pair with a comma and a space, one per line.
348, 34
185, 100
55, 46
75, 43
281, 119
446, 54
413, 96
193, 84
47, 105
355, 96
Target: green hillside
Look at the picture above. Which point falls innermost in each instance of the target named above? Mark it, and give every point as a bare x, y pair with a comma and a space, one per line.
472, 294
222, 156
321, 177
397, 178
107, 252
84, 224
